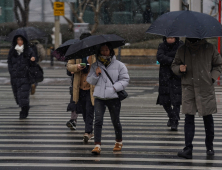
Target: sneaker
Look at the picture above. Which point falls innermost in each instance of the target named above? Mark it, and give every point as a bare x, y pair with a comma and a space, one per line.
33, 87
185, 153
117, 147
71, 124
210, 152
87, 137
169, 123
96, 150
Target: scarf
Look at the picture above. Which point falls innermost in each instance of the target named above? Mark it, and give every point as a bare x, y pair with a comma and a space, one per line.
19, 49
105, 60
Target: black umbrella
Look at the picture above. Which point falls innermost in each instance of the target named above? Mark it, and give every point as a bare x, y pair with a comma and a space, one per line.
64, 47
87, 46
32, 33
186, 24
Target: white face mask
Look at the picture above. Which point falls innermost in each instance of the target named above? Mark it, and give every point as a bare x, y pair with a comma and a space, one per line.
19, 49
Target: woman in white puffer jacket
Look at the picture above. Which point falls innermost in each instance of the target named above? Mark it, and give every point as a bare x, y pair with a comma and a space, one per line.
105, 92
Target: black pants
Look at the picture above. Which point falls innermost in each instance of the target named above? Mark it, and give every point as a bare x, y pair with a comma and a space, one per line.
189, 130
87, 109
173, 113
114, 106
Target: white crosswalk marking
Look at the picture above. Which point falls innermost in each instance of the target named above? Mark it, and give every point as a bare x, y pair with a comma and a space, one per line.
43, 141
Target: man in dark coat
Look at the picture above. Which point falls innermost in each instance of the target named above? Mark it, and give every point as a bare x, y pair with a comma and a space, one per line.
199, 64
169, 83
20, 59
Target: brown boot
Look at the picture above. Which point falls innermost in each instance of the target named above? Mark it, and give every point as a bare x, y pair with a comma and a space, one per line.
33, 87
96, 150
117, 147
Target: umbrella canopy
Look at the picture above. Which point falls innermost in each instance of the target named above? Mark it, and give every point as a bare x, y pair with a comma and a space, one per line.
186, 24
87, 46
32, 33
59, 53
64, 47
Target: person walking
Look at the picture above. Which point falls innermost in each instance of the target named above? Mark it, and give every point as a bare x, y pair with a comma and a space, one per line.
20, 59
169, 83
147, 15
72, 106
40, 53
106, 93
82, 91
199, 64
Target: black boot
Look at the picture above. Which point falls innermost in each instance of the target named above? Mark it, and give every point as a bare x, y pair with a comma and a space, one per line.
210, 152
169, 122
174, 125
25, 112
185, 153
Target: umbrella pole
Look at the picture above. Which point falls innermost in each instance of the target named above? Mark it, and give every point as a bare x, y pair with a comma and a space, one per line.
219, 38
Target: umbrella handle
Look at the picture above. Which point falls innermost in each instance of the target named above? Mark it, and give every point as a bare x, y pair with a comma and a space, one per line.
184, 53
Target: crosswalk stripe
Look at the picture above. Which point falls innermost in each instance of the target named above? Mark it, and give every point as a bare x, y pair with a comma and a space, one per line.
43, 140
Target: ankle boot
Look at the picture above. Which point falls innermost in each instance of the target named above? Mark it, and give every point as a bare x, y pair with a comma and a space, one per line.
174, 125
25, 112
186, 153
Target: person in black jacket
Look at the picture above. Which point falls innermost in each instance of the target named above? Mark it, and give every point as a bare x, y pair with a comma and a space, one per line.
147, 15
21, 57
169, 84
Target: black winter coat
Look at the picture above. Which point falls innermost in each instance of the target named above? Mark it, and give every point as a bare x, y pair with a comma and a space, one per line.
18, 66
170, 92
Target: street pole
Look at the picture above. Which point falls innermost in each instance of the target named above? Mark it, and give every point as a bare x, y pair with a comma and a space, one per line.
219, 38
57, 30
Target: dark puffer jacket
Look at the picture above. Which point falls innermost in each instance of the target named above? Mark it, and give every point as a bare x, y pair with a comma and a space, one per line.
169, 83
18, 66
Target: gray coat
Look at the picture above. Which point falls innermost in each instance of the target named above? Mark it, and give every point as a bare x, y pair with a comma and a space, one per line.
204, 66
104, 89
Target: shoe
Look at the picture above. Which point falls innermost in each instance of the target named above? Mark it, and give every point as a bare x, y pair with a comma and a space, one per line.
24, 113
71, 124
186, 153
96, 150
174, 125
87, 137
169, 123
117, 147
33, 87
210, 152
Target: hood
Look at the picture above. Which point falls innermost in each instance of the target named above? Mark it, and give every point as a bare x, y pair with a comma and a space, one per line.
20, 33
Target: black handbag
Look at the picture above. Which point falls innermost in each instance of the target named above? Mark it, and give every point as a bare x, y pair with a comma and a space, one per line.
36, 73
122, 94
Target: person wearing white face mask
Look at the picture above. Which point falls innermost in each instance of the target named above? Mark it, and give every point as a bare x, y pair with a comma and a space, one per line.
105, 92
20, 58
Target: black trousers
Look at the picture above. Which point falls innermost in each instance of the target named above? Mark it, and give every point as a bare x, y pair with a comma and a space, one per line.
114, 106
173, 113
189, 130
87, 109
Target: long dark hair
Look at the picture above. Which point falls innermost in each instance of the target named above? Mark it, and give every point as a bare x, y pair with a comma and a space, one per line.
14, 43
109, 45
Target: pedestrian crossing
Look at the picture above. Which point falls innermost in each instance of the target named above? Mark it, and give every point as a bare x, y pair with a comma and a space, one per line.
42, 141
